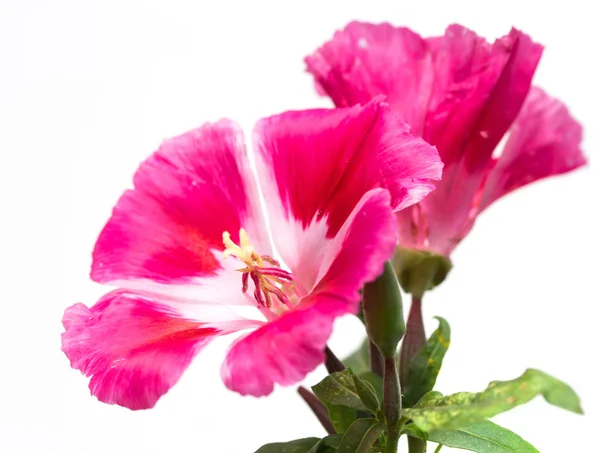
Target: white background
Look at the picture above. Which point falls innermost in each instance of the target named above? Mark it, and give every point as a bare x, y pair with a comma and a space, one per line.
89, 89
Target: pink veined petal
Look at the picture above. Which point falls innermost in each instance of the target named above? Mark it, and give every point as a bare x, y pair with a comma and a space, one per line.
443, 87
365, 60
314, 166
467, 69
135, 349
286, 349
457, 91
409, 165
223, 287
479, 121
370, 234
477, 94
544, 141
169, 227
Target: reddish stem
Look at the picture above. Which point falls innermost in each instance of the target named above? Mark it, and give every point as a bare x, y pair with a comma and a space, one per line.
414, 339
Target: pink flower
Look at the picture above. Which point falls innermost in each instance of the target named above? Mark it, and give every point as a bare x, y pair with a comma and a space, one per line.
462, 95
189, 250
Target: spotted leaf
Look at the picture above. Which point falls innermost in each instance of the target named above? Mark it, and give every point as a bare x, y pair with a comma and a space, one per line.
437, 412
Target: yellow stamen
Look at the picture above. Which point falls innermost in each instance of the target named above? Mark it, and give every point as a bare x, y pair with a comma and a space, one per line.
271, 282
244, 239
245, 253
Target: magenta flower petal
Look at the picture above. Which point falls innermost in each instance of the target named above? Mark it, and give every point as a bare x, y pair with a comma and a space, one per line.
461, 94
368, 233
286, 349
443, 87
188, 242
283, 351
366, 60
133, 348
315, 166
468, 137
544, 141
478, 92
169, 227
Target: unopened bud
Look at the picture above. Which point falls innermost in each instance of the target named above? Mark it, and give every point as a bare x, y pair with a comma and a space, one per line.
382, 308
420, 270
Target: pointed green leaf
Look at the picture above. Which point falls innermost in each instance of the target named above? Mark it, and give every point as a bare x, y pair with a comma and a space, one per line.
375, 380
359, 361
426, 364
557, 392
294, 446
367, 394
339, 389
341, 416
437, 412
484, 437
361, 436
328, 444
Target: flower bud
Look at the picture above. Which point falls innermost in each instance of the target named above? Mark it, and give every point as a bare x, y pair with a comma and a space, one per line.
382, 308
420, 270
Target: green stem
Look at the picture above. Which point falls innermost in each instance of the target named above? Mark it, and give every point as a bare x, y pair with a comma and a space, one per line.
392, 403
392, 443
415, 445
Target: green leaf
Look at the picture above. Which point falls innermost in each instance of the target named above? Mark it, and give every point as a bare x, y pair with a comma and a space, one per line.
413, 430
339, 389
361, 436
341, 416
294, 446
484, 437
328, 444
367, 394
375, 380
426, 364
359, 361
437, 412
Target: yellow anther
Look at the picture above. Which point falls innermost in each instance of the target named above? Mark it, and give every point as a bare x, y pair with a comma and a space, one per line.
245, 252
273, 285
244, 239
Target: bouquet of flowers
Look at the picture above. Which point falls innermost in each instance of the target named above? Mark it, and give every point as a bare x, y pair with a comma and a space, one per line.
339, 212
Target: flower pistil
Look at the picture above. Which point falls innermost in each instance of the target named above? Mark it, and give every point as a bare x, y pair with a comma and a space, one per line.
270, 282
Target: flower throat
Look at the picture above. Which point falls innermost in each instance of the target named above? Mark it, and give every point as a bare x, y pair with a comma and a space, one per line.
272, 285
